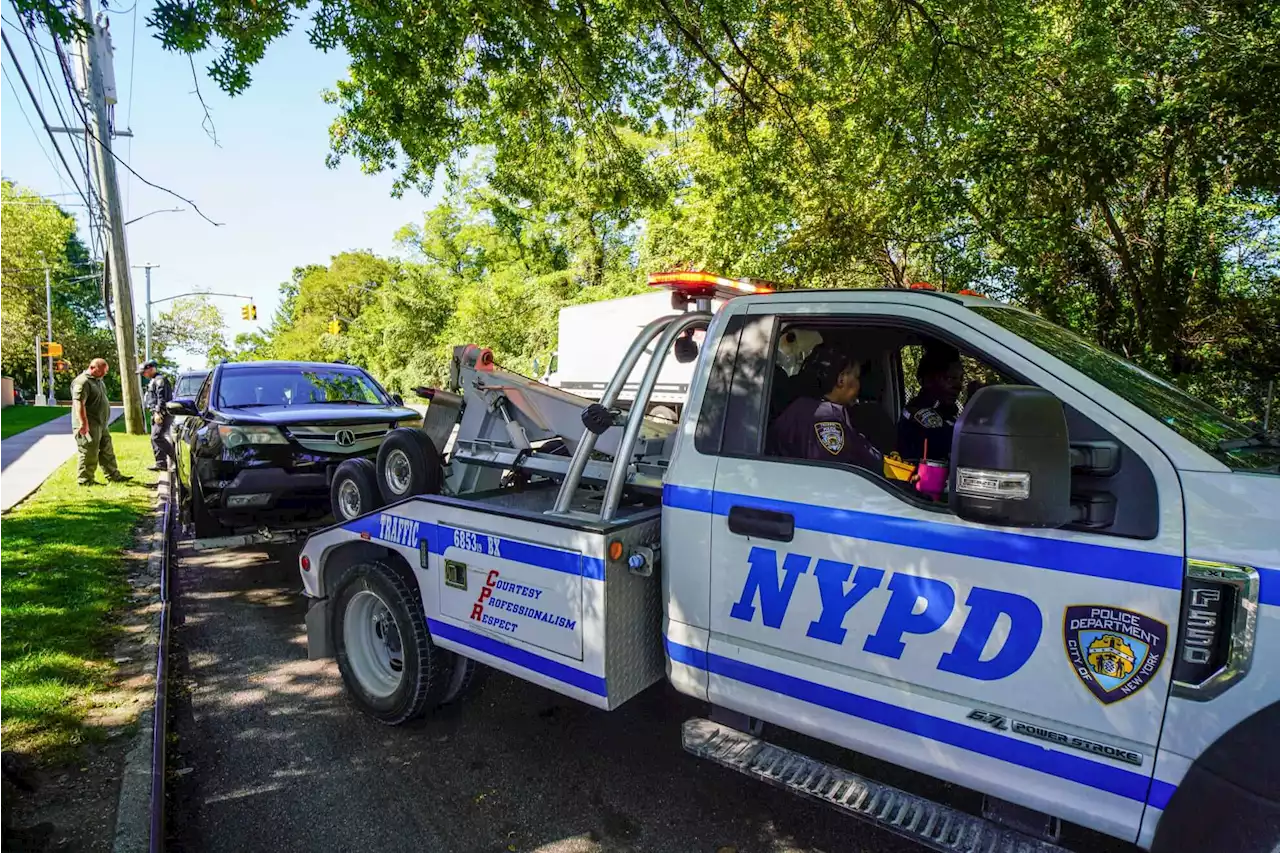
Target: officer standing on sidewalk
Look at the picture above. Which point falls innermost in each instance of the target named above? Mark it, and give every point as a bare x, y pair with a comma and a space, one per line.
159, 392
90, 414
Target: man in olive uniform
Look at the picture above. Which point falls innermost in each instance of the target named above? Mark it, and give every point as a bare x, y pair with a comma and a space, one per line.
159, 392
90, 414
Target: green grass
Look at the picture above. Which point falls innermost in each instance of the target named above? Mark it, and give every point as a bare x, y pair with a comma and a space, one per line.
62, 580
16, 419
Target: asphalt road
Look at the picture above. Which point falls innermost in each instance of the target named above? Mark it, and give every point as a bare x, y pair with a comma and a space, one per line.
270, 755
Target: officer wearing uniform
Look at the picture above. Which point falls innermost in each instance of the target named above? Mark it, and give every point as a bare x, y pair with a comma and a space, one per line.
931, 415
820, 428
159, 392
90, 414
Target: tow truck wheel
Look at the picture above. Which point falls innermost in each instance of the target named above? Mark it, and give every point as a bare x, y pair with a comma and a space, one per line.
354, 490
408, 465
389, 665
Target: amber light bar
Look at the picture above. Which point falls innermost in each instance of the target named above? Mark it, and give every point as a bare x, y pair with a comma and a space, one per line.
708, 285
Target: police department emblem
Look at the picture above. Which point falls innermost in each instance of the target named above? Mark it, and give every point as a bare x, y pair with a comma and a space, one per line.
929, 419
830, 436
1115, 652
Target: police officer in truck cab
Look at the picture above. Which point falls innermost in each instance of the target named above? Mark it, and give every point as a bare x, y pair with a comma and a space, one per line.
819, 427
930, 416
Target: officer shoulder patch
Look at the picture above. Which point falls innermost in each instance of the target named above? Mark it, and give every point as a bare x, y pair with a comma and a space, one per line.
830, 436
1115, 652
928, 418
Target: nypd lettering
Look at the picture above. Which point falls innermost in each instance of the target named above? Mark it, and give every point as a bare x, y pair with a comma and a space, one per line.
917, 606
1115, 652
483, 610
402, 531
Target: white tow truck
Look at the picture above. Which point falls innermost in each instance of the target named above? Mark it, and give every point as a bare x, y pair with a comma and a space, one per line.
1084, 629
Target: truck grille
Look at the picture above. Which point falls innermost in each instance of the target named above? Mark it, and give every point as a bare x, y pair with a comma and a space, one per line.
326, 439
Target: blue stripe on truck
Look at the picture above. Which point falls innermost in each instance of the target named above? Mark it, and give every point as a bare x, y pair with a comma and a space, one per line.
519, 657
1079, 558
983, 741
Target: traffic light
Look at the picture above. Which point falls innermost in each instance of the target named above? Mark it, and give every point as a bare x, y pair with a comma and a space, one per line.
50, 350
334, 327
61, 366
249, 312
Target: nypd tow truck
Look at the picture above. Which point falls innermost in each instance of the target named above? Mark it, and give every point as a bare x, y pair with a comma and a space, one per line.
1084, 627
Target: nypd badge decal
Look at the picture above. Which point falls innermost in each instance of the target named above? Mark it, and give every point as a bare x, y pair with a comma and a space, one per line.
1114, 651
830, 436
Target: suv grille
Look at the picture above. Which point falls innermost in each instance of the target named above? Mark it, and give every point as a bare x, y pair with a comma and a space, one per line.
324, 439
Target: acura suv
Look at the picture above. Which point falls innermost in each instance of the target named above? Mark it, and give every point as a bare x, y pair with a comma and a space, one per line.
261, 440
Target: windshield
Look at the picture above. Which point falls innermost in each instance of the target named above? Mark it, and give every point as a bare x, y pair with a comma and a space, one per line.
1198, 422
295, 386
189, 385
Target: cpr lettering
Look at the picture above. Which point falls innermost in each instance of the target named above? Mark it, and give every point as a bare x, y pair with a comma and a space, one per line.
917, 605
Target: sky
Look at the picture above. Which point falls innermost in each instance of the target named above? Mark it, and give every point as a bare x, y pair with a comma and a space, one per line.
266, 179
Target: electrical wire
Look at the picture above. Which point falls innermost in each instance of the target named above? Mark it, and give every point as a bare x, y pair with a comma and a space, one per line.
13, 56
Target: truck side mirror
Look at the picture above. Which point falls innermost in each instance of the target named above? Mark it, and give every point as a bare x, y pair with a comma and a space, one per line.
1010, 459
182, 407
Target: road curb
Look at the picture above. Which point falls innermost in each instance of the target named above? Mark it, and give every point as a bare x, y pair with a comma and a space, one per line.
133, 807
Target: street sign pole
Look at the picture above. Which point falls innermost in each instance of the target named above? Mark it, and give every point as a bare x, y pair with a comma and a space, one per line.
39, 400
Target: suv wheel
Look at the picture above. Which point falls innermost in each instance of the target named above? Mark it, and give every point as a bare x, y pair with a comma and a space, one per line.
354, 490
408, 465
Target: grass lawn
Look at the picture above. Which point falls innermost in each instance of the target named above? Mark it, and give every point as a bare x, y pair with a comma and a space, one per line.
61, 582
16, 419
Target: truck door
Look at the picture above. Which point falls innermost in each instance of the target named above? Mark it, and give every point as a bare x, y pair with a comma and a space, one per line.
1028, 664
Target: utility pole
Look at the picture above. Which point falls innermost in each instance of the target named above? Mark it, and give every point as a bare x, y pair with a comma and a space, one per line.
39, 400
48, 313
95, 56
147, 348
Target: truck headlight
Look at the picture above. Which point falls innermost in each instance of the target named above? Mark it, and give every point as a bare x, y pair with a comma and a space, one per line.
237, 436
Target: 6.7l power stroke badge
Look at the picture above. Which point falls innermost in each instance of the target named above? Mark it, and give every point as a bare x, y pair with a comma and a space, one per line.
1114, 651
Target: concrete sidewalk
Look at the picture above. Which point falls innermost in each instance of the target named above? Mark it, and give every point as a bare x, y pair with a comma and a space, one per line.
28, 458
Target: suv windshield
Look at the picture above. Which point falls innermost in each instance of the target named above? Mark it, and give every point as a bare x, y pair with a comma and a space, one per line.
1198, 422
296, 386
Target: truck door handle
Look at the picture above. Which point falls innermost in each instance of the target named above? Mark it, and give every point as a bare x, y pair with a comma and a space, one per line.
765, 523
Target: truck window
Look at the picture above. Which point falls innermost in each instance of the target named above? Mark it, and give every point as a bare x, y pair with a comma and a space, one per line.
767, 377
1196, 421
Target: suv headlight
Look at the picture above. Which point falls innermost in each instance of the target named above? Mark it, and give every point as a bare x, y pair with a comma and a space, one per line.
237, 436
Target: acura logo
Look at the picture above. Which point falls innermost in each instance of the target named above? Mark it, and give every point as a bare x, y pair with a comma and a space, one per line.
345, 438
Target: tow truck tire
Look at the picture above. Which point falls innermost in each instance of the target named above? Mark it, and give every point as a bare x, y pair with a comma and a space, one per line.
391, 669
354, 490
468, 677
408, 465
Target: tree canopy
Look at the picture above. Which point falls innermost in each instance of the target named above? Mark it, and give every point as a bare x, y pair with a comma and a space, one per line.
1112, 165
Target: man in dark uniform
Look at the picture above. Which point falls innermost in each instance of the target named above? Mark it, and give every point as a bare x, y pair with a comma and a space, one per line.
159, 392
931, 415
820, 428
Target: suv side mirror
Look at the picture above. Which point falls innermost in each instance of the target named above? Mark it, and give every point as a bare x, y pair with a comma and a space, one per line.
1010, 459
182, 407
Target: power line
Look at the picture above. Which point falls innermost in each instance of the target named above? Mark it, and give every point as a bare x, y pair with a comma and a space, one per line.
35, 103
39, 142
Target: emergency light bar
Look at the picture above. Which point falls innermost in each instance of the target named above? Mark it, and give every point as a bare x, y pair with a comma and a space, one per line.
705, 285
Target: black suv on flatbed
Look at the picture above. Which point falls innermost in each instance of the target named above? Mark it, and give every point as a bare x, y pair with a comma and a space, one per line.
262, 439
